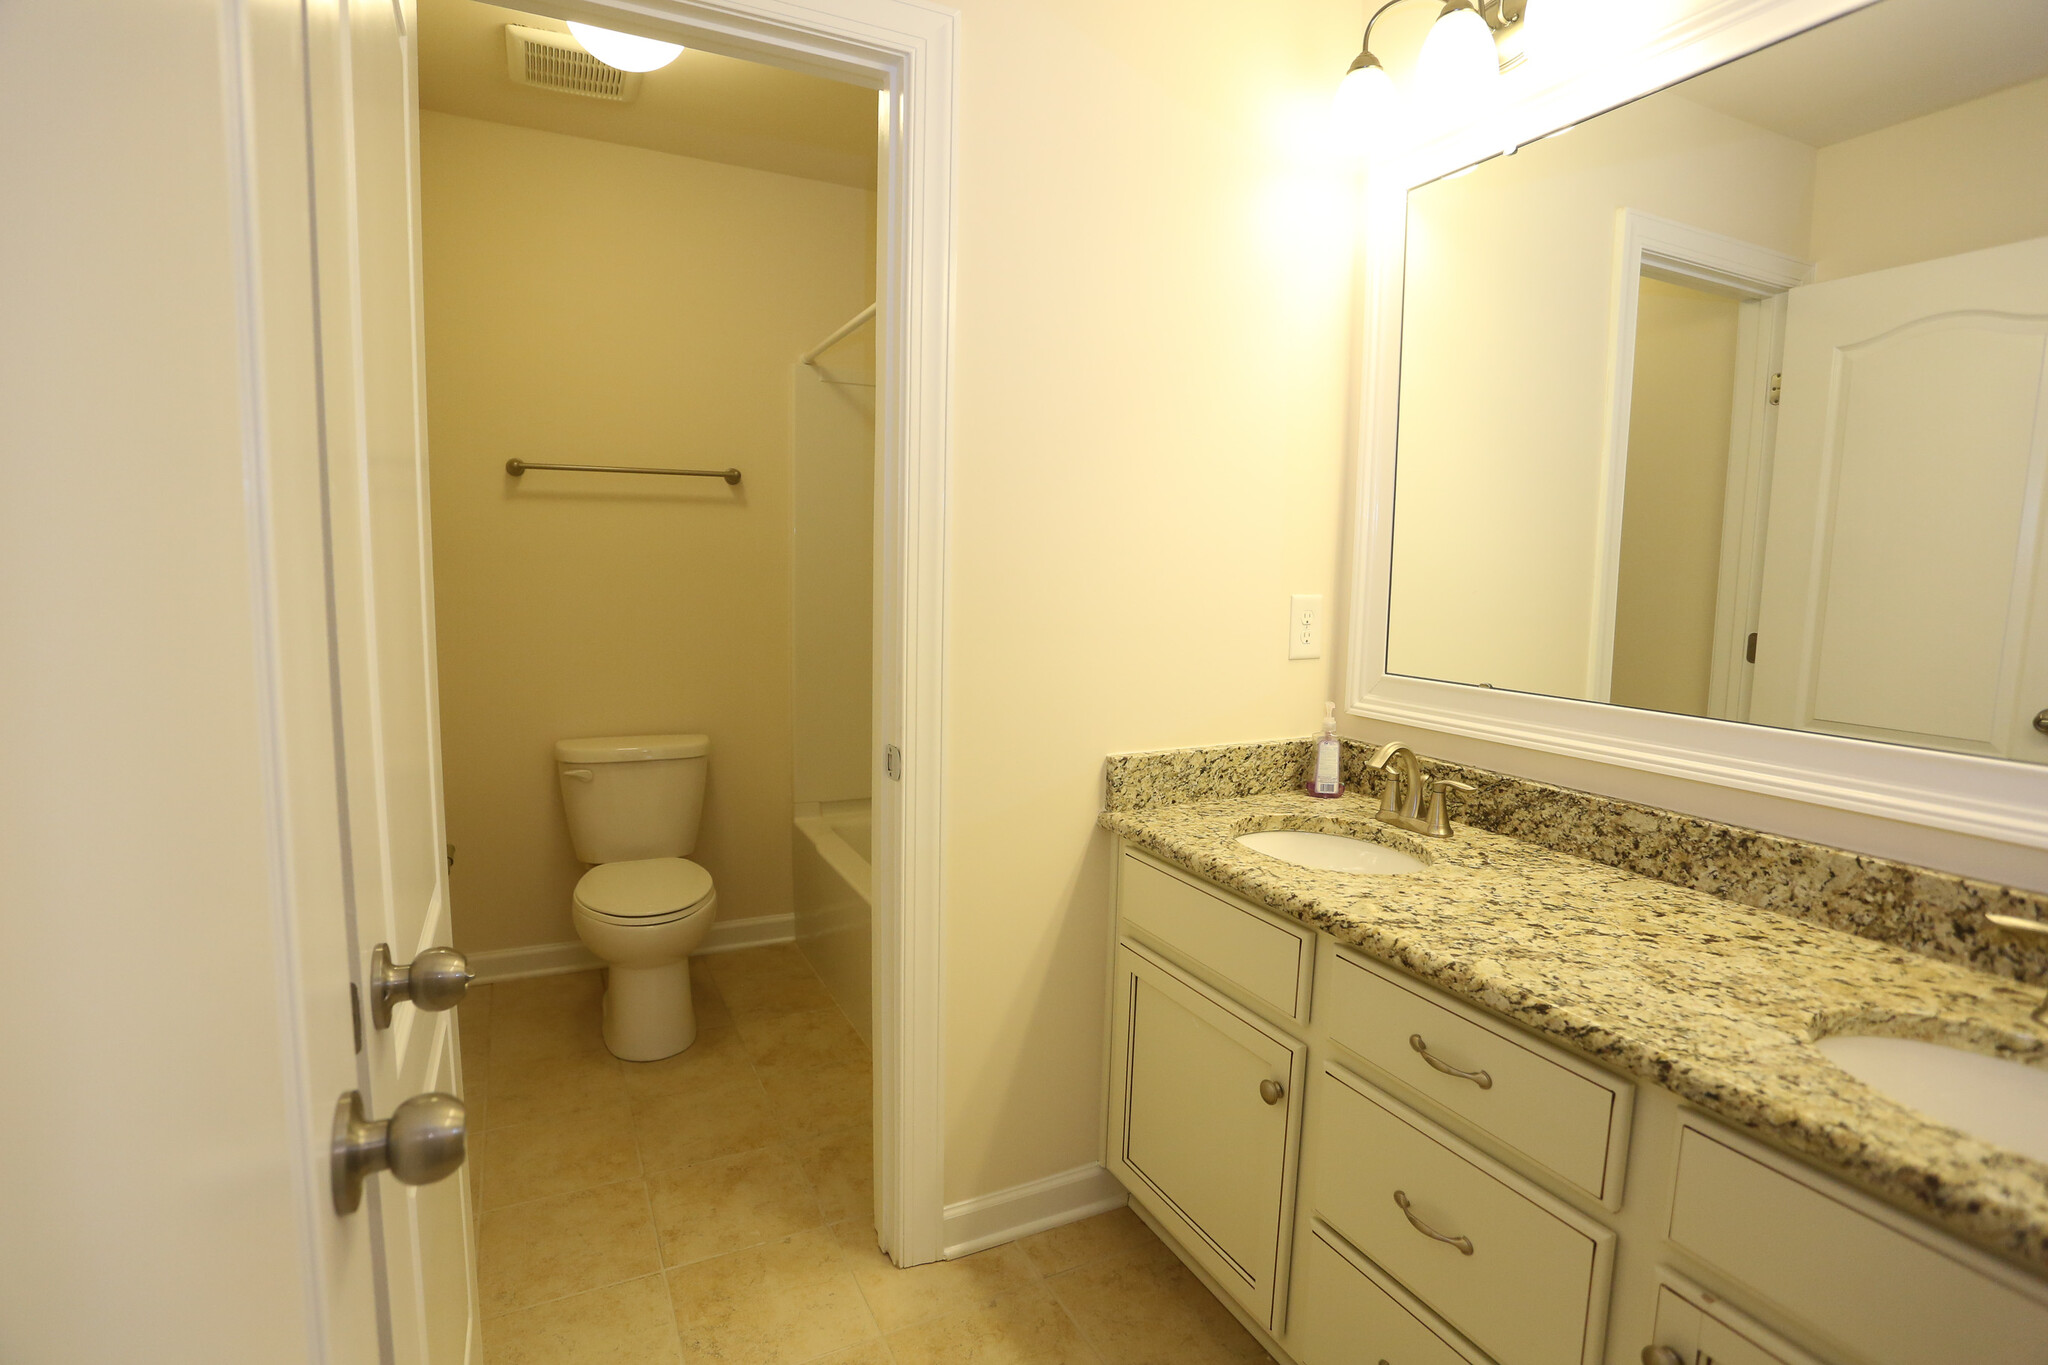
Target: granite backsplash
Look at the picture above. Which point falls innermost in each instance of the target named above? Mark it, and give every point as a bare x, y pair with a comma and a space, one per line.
1936, 913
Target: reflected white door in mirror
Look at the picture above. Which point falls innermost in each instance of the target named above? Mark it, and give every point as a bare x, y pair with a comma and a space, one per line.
1713, 439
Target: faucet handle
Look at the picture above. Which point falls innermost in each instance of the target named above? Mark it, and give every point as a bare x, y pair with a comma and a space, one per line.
2018, 927
1439, 819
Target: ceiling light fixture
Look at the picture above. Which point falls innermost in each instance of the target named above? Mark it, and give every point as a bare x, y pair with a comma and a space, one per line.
1457, 73
626, 51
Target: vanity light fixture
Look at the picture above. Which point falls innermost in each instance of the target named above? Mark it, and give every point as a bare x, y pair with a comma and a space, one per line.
1458, 69
625, 51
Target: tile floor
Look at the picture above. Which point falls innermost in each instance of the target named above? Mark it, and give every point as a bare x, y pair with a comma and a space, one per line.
716, 1207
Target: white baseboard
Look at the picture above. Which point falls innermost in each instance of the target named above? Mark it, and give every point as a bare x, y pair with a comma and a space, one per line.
991, 1219
549, 959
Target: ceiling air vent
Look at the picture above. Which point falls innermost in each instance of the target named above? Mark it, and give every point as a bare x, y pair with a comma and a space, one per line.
555, 61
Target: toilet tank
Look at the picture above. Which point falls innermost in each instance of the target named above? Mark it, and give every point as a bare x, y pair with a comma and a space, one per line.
632, 796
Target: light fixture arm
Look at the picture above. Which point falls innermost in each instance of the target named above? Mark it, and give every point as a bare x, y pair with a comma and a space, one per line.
1498, 14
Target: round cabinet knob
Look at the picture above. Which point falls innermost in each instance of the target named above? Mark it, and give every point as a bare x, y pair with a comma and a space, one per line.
435, 980
2041, 721
424, 1140
1661, 1355
1272, 1092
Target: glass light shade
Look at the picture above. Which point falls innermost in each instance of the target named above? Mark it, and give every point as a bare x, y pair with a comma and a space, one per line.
626, 51
1457, 74
1367, 108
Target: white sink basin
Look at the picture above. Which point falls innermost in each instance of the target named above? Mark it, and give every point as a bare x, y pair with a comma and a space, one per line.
1331, 852
2000, 1101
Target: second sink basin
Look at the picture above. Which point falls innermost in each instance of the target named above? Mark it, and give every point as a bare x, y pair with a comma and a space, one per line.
1331, 852
2000, 1101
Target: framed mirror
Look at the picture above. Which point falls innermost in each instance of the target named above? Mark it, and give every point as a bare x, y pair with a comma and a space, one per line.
1713, 437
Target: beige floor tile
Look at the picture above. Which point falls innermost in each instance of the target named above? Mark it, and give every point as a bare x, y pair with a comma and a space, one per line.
1091, 1239
705, 997
475, 1005
788, 1301
1023, 1330
543, 1089
625, 1324
534, 1160
772, 980
473, 1043
562, 991
714, 1207
1146, 1308
551, 1248
812, 1103
545, 1031
476, 1104
721, 1118
841, 1168
716, 1058
872, 1353
904, 1298
806, 1040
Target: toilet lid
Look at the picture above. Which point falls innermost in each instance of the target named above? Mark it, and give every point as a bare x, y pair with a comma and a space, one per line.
642, 887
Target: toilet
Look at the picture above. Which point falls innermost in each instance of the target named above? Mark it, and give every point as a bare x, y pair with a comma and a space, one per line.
633, 803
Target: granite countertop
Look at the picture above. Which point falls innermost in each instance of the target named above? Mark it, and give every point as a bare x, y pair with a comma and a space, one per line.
1717, 1001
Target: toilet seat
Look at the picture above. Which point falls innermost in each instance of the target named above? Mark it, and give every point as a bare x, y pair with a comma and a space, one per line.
644, 890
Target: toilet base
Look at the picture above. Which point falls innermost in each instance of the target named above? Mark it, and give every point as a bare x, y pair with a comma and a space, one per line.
648, 1014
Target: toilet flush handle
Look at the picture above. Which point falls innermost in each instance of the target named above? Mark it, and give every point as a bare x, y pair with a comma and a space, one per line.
580, 774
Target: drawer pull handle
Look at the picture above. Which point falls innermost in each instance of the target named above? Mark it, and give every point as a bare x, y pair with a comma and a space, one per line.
1272, 1092
1463, 1244
1478, 1078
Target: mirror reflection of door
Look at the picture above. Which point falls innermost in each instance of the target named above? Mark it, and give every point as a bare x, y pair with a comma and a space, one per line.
1805, 495
1904, 576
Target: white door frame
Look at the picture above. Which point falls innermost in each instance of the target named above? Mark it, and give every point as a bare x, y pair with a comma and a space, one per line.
1682, 254
909, 51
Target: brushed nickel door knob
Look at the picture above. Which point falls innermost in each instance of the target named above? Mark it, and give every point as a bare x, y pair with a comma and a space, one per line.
435, 980
1661, 1355
2041, 721
1272, 1092
424, 1140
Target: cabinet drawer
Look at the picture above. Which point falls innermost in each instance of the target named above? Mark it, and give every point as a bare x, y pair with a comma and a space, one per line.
1889, 1296
1205, 1110
1266, 961
1704, 1330
1529, 1285
1344, 1313
1564, 1114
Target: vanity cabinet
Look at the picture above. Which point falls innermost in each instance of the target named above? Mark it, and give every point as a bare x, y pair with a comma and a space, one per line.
1374, 1172
1207, 1099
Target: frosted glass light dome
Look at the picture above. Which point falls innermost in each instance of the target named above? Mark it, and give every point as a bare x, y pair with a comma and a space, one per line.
625, 51
1457, 74
1367, 108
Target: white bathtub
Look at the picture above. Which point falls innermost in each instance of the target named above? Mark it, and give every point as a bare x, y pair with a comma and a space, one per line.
835, 901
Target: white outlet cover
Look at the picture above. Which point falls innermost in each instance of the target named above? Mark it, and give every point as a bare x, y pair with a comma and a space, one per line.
1305, 626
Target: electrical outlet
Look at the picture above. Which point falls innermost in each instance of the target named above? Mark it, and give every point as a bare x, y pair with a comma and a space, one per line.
1305, 626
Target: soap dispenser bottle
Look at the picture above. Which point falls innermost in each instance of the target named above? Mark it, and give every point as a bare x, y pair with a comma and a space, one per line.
1329, 770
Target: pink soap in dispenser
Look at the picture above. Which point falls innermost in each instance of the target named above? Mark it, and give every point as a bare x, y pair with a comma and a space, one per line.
1328, 778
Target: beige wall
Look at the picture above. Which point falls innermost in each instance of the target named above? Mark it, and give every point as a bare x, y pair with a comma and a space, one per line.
1148, 435
589, 302
1959, 180
1505, 370
1680, 406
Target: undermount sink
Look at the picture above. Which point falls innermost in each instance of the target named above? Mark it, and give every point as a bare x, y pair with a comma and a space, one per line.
2000, 1101
1331, 852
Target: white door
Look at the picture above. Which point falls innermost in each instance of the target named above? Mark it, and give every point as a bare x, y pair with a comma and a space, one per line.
1905, 590
366, 206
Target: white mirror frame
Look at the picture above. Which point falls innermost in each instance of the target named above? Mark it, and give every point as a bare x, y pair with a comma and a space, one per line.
1993, 798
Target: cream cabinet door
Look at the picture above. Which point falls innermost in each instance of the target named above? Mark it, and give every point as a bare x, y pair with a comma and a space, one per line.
1204, 1120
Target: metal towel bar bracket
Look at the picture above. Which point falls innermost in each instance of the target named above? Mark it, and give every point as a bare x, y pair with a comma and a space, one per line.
518, 467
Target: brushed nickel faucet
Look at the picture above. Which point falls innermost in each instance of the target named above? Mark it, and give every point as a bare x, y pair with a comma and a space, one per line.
2025, 930
1417, 791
